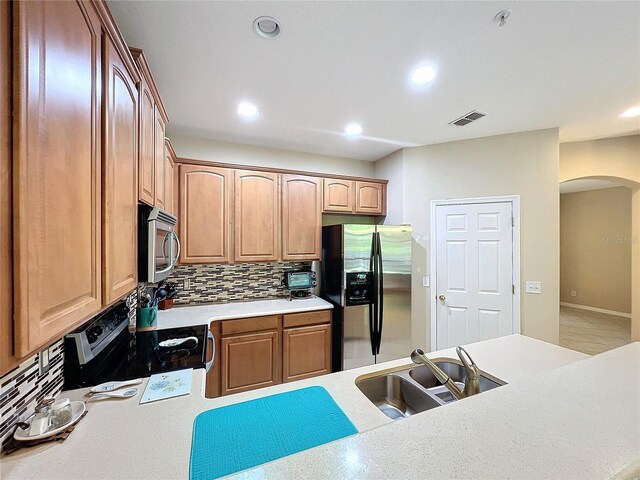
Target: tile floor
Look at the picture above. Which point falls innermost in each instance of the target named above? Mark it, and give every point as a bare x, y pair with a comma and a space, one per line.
592, 332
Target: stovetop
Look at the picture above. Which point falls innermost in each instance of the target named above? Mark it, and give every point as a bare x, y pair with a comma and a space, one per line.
135, 355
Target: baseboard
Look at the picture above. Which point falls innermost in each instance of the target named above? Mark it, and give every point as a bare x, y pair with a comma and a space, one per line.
595, 309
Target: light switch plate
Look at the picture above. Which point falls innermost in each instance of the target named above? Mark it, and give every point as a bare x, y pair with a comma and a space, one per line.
425, 281
43, 361
533, 287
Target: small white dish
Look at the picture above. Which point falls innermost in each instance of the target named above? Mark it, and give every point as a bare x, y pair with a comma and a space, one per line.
77, 409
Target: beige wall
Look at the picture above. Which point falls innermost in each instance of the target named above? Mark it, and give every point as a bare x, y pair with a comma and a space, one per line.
619, 158
226, 152
524, 164
595, 248
609, 157
391, 167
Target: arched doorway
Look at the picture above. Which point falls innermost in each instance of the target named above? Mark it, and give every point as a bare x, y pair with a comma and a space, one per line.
604, 242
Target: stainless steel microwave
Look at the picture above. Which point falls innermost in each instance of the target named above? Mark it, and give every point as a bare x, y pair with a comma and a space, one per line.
159, 246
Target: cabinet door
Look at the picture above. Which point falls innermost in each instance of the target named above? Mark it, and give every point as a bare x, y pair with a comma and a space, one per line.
120, 181
369, 198
301, 218
338, 196
169, 175
204, 222
146, 162
306, 352
250, 361
7, 359
256, 217
159, 159
57, 162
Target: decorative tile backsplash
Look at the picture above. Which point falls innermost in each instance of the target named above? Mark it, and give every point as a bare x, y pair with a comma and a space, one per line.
22, 388
231, 283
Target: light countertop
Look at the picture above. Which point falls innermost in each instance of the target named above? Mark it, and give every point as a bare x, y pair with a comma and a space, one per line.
205, 314
562, 415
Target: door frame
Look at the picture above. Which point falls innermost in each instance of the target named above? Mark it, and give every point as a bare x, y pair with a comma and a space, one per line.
515, 300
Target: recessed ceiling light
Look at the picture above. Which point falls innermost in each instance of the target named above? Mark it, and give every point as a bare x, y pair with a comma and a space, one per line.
267, 27
423, 75
632, 112
247, 110
353, 129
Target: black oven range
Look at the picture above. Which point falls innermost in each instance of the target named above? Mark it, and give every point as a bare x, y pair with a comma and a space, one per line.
104, 350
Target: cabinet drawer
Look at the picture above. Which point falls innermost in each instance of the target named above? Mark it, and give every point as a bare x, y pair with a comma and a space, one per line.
306, 318
246, 325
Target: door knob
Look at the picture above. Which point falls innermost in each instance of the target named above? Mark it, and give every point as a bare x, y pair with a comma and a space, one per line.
442, 298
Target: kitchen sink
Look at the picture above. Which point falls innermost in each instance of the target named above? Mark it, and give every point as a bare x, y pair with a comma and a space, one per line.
456, 372
405, 392
395, 395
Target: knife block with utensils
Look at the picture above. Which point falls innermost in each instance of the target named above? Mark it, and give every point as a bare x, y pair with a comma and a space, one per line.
166, 304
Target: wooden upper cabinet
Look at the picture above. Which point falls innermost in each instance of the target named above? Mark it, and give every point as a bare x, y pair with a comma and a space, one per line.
169, 188
160, 160
120, 180
57, 162
338, 196
257, 225
7, 358
146, 162
370, 198
301, 217
204, 223
153, 121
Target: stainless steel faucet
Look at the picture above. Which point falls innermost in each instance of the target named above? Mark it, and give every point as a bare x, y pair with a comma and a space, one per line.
472, 382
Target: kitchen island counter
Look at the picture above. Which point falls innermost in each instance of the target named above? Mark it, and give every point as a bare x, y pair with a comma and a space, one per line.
562, 415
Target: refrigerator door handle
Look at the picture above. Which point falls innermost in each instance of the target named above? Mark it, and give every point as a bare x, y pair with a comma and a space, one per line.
373, 310
380, 287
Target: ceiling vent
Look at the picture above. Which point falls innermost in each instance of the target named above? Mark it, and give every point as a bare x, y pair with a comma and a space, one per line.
467, 119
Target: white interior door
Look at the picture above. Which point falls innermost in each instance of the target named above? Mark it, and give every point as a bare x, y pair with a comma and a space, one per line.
474, 272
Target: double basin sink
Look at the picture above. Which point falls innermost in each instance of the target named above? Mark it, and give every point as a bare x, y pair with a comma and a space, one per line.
405, 392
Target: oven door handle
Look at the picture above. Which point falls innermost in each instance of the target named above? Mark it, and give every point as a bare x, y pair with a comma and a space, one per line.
210, 337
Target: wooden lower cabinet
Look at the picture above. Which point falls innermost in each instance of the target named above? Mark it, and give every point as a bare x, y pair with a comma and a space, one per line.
306, 352
250, 361
212, 387
256, 352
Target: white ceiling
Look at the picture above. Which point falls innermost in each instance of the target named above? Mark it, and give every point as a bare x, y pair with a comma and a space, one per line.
573, 65
584, 184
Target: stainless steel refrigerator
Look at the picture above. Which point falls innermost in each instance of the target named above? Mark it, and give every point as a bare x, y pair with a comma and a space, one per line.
366, 275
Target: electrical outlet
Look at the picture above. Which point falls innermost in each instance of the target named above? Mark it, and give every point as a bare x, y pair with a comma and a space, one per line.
43, 361
533, 287
186, 284
425, 281
573, 293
